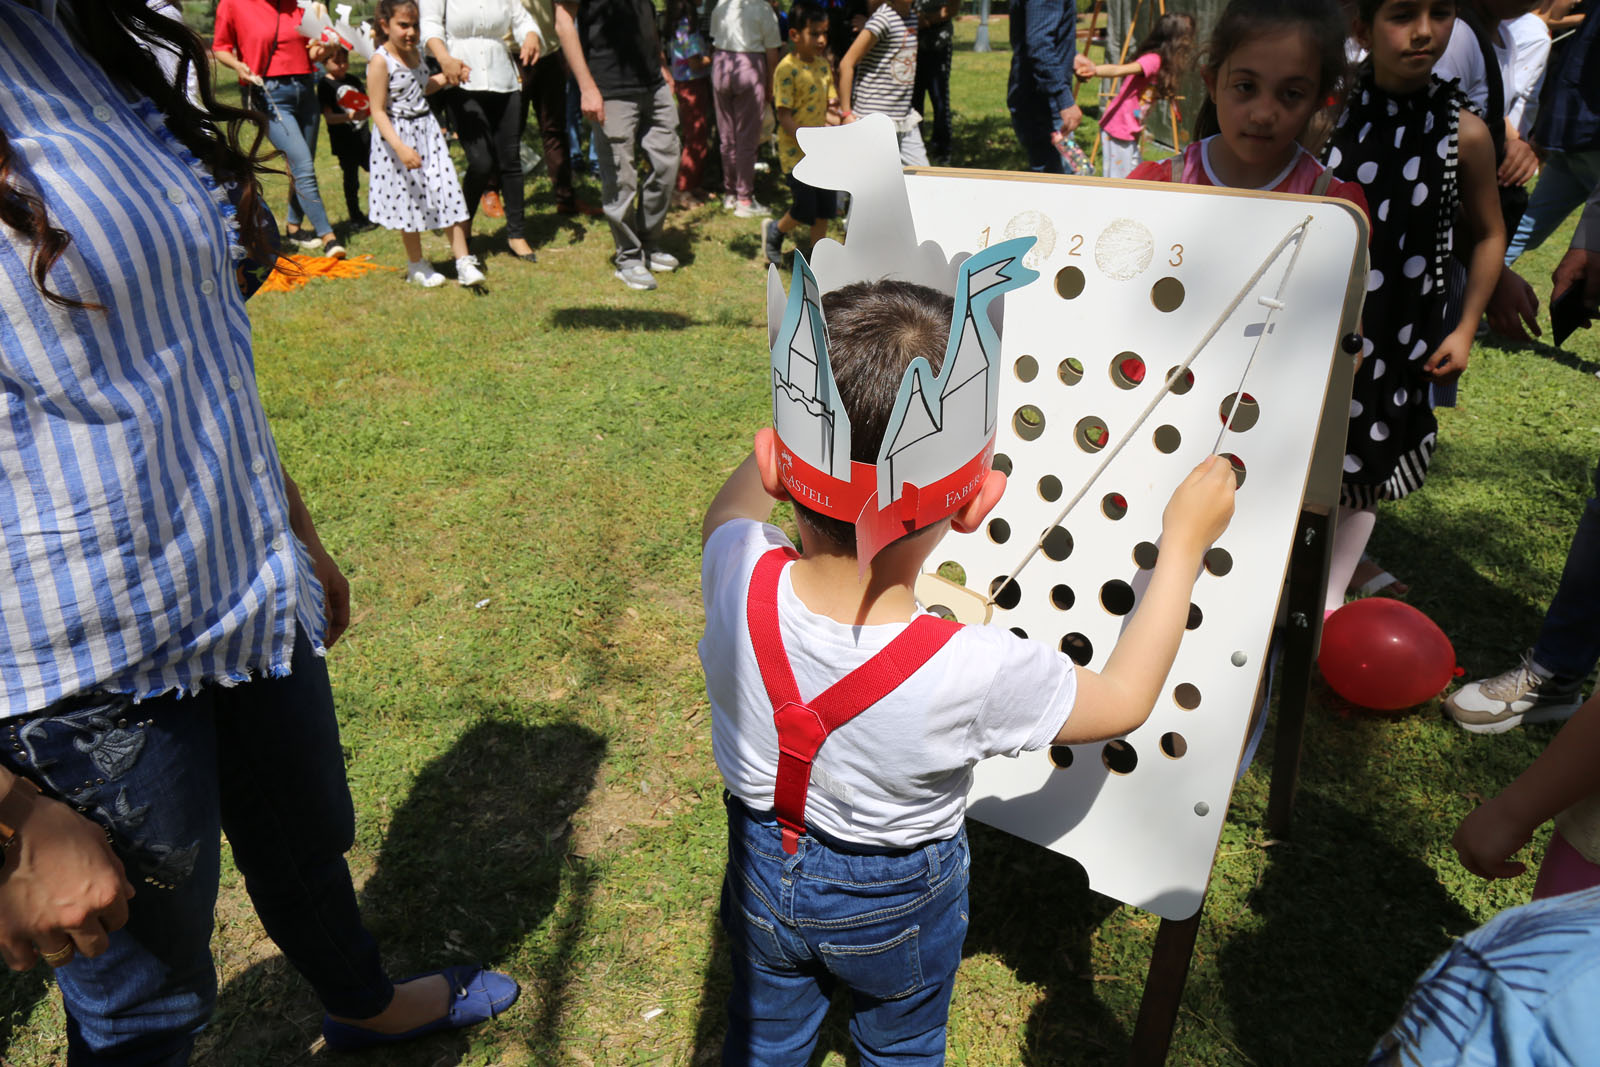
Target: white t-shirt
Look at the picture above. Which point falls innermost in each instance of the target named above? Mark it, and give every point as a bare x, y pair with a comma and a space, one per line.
744, 26
896, 775
1529, 40
1462, 62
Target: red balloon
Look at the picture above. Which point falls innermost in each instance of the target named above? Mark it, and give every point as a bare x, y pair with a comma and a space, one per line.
1385, 654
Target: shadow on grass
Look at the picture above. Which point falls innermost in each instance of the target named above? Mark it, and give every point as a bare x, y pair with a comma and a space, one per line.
476, 857
1546, 350
19, 995
1013, 884
627, 320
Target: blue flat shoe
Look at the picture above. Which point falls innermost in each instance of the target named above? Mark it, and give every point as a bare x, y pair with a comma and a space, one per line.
476, 995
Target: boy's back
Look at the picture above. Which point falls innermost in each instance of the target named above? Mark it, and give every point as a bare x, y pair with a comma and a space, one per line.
888, 72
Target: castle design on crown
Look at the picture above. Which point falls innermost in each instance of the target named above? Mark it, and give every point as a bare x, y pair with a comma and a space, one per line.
940, 435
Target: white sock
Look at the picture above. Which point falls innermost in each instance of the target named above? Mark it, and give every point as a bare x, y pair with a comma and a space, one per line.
419, 266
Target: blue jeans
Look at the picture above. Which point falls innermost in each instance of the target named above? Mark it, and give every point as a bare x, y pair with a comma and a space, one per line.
888, 927
1565, 180
292, 117
260, 761
1034, 122
1569, 641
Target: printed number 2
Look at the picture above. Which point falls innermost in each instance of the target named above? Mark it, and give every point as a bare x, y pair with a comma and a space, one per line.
985, 243
1177, 256
1077, 243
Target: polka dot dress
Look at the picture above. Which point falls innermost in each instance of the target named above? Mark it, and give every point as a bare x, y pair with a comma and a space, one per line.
428, 198
1402, 151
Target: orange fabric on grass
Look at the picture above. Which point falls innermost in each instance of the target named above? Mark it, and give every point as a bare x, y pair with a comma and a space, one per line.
294, 271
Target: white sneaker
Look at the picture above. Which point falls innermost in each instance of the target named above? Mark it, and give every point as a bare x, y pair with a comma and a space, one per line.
636, 276
729, 203
468, 271
750, 209
1520, 695
661, 262
422, 273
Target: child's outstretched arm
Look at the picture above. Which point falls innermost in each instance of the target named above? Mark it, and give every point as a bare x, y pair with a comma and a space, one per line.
1119, 698
1561, 776
865, 41
1480, 201
741, 497
1084, 67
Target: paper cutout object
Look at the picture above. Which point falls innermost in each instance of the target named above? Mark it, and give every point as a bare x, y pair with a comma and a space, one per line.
940, 435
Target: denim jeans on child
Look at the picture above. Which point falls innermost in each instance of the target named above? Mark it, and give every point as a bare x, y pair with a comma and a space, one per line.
292, 117
888, 927
1569, 641
260, 761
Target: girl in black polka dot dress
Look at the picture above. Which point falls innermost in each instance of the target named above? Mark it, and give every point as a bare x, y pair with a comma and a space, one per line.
1419, 156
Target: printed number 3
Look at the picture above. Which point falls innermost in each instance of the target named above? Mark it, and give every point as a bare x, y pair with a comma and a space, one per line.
1177, 256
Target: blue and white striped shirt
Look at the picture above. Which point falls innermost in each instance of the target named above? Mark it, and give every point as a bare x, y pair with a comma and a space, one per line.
142, 508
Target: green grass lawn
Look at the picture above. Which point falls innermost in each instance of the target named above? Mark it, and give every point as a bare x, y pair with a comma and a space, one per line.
513, 482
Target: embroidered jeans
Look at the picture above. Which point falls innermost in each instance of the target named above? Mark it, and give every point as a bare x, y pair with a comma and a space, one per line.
887, 927
260, 761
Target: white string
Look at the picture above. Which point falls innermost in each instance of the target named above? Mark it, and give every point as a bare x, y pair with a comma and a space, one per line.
1273, 304
1295, 234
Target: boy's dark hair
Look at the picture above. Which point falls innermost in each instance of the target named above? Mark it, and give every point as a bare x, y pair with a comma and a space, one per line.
1172, 38
336, 51
806, 12
1367, 10
1243, 20
875, 330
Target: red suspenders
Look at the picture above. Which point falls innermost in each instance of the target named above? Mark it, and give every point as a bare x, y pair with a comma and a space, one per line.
802, 728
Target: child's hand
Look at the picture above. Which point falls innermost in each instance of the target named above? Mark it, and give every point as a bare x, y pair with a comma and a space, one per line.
1200, 507
1082, 66
1487, 839
409, 158
1450, 358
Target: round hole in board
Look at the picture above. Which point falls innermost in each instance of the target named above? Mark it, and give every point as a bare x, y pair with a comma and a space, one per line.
1119, 757
1062, 596
999, 531
1218, 561
1050, 488
1006, 592
1116, 596
1247, 415
951, 571
1127, 370
941, 611
1238, 468
1173, 746
1001, 463
1027, 368
1060, 757
1077, 649
1091, 433
1056, 543
1195, 618
1167, 294
1167, 439
1020, 632
1145, 555
1028, 422
1114, 505
1186, 695
1070, 370
1182, 380
1069, 283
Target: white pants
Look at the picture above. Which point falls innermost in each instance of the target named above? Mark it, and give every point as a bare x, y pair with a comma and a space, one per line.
912, 152
1121, 156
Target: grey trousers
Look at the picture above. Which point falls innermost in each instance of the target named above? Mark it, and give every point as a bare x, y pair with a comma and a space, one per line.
649, 120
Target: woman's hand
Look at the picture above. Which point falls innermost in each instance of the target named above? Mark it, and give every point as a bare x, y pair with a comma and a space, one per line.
530, 50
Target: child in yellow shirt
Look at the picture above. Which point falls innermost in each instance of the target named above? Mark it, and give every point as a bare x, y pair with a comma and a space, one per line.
802, 93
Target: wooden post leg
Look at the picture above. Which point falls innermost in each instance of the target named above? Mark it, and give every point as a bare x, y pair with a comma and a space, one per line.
1308, 577
1163, 990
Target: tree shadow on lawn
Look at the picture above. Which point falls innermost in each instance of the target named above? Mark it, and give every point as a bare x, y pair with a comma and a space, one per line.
1350, 921
1013, 884
618, 320
474, 860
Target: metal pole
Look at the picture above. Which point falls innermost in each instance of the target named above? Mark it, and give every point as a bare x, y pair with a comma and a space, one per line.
982, 42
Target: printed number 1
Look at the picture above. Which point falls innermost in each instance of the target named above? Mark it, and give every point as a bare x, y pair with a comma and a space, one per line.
1177, 256
985, 243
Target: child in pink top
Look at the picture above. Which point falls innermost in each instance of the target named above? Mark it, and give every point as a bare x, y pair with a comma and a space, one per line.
1151, 77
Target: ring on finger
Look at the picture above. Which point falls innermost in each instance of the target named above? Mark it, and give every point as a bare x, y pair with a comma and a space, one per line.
59, 956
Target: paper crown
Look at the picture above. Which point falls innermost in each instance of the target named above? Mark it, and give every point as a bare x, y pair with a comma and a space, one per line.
315, 24
940, 435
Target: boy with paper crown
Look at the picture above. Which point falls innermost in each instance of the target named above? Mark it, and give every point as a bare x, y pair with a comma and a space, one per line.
844, 720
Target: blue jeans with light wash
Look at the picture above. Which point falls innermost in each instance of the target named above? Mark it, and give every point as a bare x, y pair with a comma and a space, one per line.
166, 777
1565, 181
1569, 641
888, 927
292, 117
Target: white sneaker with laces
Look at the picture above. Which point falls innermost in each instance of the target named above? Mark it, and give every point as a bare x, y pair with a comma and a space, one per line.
1522, 694
422, 273
468, 271
661, 262
636, 276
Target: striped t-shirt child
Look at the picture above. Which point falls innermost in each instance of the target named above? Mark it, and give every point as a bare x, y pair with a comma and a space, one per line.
887, 73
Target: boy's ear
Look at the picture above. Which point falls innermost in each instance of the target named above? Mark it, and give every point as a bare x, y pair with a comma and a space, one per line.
767, 463
969, 518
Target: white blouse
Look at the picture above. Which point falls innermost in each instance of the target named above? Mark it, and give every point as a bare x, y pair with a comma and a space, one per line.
475, 32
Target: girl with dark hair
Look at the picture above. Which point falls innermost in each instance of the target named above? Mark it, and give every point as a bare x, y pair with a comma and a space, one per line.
1152, 77
168, 599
